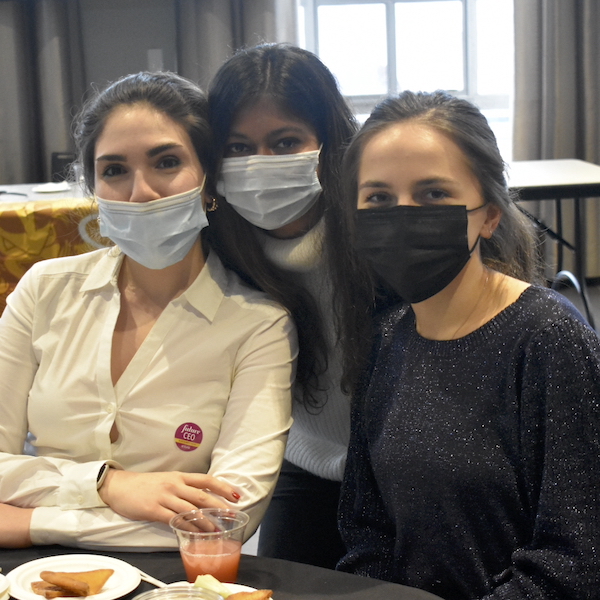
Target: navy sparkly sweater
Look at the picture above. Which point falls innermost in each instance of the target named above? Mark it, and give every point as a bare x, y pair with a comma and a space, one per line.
474, 464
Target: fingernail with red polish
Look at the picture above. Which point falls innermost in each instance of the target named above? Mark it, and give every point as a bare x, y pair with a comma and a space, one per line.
236, 495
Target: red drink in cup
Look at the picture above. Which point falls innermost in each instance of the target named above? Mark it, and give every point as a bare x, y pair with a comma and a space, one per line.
219, 558
210, 542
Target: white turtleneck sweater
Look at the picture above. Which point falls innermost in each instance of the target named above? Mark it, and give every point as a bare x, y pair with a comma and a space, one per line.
318, 439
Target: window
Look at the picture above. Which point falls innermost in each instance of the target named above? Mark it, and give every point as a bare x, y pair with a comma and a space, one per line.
381, 47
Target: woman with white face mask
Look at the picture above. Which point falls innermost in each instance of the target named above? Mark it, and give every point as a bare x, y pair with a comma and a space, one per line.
152, 380
280, 126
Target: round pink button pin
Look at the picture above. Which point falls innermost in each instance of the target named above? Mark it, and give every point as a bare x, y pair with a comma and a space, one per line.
188, 437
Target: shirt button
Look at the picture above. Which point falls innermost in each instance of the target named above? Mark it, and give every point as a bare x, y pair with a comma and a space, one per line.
110, 409
80, 500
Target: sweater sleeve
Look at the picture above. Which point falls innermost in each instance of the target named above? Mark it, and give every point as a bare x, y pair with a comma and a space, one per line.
560, 437
364, 523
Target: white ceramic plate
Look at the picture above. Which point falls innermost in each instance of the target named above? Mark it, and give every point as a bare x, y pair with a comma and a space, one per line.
237, 587
124, 579
232, 587
52, 187
3, 587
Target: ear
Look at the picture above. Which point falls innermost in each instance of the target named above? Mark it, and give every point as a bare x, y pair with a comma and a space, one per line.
493, 216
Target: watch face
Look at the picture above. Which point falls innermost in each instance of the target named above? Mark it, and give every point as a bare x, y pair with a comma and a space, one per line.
101, 475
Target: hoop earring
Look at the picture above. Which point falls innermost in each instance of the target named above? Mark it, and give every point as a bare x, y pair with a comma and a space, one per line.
213, 205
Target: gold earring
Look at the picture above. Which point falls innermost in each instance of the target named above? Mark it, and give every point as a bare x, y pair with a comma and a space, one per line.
213, 205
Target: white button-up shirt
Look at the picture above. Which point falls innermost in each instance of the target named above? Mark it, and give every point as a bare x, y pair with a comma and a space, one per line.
208, 391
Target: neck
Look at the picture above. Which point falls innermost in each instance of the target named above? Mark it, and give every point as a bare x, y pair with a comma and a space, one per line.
461, 307
300, 226
160, 286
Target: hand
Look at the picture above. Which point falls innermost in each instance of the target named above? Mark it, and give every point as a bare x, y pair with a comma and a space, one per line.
160, 496
14, 526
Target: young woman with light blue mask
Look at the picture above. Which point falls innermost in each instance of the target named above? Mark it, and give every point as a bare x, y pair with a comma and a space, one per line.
157, 233
280, 126
152, 379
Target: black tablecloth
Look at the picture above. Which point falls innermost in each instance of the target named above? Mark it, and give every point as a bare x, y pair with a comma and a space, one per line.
288, 580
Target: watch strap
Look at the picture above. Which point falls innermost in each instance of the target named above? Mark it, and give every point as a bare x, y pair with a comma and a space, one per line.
102, 473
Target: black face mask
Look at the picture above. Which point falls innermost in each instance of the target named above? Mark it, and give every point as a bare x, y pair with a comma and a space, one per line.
417, 250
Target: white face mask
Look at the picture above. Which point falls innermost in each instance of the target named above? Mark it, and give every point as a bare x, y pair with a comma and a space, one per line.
271, 191
156, 234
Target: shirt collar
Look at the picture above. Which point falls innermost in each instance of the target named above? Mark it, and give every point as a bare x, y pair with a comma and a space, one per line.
105, 272
205, 294
208, 289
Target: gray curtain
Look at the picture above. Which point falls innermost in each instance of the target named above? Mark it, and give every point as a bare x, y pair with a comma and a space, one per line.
557, 97
41, 78
211, 30
43, 68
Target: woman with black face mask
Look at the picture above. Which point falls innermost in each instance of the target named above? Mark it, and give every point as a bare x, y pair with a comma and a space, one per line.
473, 459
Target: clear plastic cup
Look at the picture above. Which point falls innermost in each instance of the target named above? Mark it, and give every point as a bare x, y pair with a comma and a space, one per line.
179, 592
210, 542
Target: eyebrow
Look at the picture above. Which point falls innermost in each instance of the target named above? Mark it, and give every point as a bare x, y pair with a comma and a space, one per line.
150, 153
421, 183
435, 181
373, 184
274, 133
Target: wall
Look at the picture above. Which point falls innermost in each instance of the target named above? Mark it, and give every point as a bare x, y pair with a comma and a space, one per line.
117, 35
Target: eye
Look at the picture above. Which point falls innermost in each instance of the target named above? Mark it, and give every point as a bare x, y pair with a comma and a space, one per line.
236, 149
113, 171
168, 162
288, 145
438, 194
376, 200
431, 196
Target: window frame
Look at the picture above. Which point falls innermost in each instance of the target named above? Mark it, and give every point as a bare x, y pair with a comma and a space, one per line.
364, 104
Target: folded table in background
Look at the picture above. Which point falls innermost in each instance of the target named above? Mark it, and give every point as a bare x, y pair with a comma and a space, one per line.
288, 580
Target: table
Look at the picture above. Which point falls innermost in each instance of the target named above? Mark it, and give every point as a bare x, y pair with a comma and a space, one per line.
288, 580
36, 226
554, 180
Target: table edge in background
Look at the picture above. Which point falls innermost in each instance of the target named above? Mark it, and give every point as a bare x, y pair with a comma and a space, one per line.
554, 180
288, 580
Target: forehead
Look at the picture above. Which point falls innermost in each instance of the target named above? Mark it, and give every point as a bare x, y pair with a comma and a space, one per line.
131, 123
266, 113
415, 147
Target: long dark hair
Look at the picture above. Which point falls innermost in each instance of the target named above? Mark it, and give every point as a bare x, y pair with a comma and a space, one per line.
512, 248
302, 86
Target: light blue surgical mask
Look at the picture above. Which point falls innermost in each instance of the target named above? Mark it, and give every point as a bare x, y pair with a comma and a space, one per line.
271, 191
156, 234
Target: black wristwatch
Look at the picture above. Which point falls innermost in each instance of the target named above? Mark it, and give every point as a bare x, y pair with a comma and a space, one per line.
102, 473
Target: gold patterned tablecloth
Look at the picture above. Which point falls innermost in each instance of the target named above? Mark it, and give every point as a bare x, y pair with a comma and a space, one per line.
33, 230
